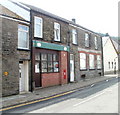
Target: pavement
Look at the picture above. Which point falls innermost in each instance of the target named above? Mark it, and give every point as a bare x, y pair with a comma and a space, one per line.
50, 91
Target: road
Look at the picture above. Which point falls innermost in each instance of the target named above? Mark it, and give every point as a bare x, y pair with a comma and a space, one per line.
97, 98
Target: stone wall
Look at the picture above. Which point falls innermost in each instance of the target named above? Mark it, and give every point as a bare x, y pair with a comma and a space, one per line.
81, 44
10, 58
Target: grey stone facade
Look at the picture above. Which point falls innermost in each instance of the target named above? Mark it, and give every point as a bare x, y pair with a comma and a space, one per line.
74, 49
11, 55
48, 29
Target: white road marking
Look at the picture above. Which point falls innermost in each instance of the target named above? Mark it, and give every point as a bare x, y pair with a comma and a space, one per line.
89, 99
92, 85
104, 91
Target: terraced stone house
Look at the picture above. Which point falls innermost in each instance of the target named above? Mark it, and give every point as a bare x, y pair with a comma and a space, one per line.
41, 49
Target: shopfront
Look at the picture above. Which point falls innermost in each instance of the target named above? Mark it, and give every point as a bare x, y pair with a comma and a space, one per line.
50, 64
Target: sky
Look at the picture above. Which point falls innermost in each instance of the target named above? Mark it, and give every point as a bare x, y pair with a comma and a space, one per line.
96, 15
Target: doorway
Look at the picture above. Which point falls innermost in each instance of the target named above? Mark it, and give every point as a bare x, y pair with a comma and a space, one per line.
72, 78
23, 77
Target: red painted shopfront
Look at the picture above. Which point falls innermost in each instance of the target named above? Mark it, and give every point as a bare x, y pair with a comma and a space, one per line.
49, 67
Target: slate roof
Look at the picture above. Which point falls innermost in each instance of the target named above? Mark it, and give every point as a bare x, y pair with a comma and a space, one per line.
57, 17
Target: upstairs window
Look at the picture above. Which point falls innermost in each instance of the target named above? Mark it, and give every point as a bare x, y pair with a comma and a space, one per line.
56, 31
74, 36
96, 43
38, 24
82, 61
23, 37
87, 40
91, 61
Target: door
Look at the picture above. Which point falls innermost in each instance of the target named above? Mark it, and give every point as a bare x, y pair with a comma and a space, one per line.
23, 76
72, 68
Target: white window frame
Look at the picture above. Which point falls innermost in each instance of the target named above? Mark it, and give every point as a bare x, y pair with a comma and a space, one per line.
74, 36
99, 62
96, 42
87, 40
83, 61
41, 27
56, 31
91, 61
19, 37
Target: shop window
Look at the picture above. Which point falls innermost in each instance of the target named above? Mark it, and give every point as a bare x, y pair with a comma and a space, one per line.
38, 25
82, 61
56, 31
49, 63
23, 37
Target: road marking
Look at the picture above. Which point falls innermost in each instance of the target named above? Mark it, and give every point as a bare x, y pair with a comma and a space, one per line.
89, 99
92, 85
44, 99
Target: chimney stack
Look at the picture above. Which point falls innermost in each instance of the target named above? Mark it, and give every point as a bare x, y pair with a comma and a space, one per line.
73, 20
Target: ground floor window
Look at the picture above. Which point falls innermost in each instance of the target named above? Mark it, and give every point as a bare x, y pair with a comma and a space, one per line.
82, 61
98, 62
46, 62
91, 61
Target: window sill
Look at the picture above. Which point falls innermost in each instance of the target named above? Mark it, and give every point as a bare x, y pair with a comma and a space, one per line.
91, 69
74, 44
23, 49
83, 69
38, 37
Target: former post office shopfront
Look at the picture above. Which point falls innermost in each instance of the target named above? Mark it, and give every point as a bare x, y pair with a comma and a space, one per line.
49, 49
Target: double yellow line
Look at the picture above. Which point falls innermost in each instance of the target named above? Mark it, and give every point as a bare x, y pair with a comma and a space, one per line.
44, 99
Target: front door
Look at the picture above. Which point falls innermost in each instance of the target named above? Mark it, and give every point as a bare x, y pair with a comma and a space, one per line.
23, 76
71, 68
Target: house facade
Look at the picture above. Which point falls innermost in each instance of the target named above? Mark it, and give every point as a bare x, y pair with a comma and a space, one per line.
49, 49
15, 50
110, 54
41, 50
86, 51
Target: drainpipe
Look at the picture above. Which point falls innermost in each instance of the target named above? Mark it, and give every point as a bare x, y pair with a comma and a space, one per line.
68, 57
102, 57
31, 52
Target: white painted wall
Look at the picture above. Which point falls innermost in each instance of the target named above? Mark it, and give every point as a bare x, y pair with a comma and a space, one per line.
109, 55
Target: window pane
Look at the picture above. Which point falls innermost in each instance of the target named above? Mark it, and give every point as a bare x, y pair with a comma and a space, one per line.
38, 30
55, 57
37, 70
82, 61
23, 37
49, 57
74, 36
86, 40
43, 57
56, 32
44, 66
38, 27
91, 61
37, 56
50, 67
98, 61
56, 66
